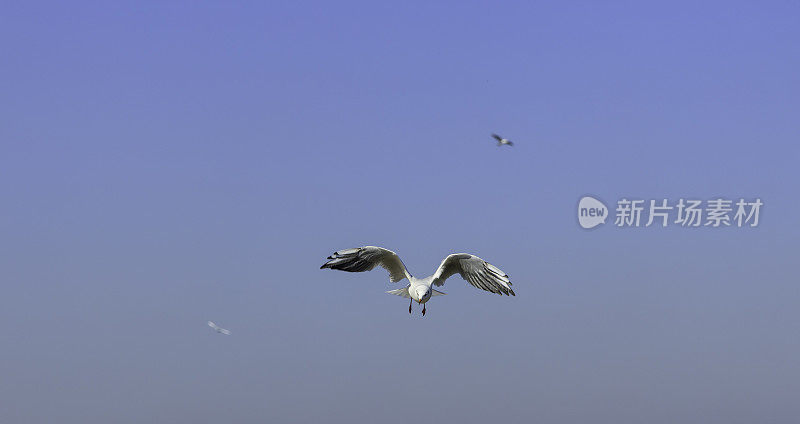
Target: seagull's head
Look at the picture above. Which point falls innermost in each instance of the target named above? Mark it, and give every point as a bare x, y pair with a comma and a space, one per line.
422, 293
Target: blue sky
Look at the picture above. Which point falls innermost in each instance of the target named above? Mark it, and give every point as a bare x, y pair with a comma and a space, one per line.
169, 163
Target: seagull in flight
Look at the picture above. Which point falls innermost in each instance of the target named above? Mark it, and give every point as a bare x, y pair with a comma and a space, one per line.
502, 141
219, 329
475, 270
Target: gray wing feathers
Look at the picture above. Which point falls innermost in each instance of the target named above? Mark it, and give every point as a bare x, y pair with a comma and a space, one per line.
365, 259
476, 271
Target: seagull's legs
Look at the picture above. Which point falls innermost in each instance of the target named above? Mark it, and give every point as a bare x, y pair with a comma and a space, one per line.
409, 305
423, 309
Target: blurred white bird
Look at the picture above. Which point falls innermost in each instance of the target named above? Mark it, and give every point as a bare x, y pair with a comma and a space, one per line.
219, 329
502, 141
475, 270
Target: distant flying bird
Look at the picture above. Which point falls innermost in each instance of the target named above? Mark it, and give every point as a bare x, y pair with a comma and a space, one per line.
502, 141
219, 329
475, 270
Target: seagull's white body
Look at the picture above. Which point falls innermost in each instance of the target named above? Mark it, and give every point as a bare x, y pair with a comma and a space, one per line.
219, 329
502, 141
473, 269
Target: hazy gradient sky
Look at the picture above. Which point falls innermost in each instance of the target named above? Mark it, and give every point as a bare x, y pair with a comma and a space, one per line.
168, 163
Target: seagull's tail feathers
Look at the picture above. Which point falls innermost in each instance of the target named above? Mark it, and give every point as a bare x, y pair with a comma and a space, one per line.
437, 293
401, 292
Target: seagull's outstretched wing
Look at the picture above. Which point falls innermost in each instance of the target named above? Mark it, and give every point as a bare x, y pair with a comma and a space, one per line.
366, 258
476, 271
497, 137
219, 329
